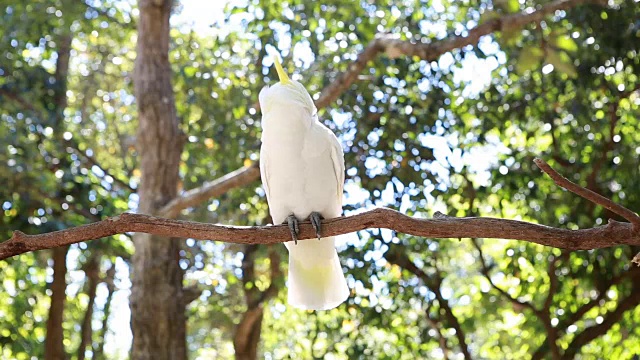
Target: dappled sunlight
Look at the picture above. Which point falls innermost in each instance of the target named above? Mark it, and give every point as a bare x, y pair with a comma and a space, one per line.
440, 108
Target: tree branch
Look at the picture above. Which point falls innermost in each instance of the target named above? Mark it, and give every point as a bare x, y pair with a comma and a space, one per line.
633, 274
237, 178
614, 233
610, 319
553, 280
393, 47
71, 144
434, 284
91, 161
561, 181
435, 324
518, 304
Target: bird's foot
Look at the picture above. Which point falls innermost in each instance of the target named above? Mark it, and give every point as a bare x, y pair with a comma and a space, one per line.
294, 227
316, 219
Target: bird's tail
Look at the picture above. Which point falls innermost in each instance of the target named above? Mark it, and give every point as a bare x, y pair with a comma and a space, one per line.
316, 280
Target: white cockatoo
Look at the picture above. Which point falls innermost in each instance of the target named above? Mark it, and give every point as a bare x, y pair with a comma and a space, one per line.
302, 170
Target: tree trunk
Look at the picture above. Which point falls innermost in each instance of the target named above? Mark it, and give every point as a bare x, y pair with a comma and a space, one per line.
247, 336
53, 347
157, 311
92, 272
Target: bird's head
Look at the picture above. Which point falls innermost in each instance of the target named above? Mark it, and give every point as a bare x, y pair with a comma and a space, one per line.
285, 93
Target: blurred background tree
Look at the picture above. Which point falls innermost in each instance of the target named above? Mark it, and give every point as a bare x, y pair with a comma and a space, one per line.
456, 134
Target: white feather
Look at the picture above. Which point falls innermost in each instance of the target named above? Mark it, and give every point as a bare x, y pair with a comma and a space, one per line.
302, 170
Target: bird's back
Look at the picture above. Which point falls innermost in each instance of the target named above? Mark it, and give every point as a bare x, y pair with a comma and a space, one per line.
298, 171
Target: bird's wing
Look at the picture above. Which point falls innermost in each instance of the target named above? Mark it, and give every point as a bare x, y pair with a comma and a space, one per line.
337, 158
264, 175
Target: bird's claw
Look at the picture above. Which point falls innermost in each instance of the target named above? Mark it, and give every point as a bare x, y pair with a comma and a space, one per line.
294, 227
316, 219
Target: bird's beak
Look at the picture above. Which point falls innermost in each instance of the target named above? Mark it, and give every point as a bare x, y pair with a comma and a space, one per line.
284, 79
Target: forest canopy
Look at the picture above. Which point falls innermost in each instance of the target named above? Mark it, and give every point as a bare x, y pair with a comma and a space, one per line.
441, 107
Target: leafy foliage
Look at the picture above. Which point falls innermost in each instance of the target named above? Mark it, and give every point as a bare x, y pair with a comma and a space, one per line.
456, 135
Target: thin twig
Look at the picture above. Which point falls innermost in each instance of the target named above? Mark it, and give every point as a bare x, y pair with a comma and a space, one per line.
434, 283
485, 269
553, 280
435, 324
93, 162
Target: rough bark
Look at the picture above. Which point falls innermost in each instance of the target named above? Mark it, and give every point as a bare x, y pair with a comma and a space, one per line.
157, 311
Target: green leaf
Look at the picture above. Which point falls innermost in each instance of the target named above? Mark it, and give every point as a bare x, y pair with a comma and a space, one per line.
508, 38
512, 6
509, 6
564, 42
488, 15
189, 71
529, 59
561, 62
